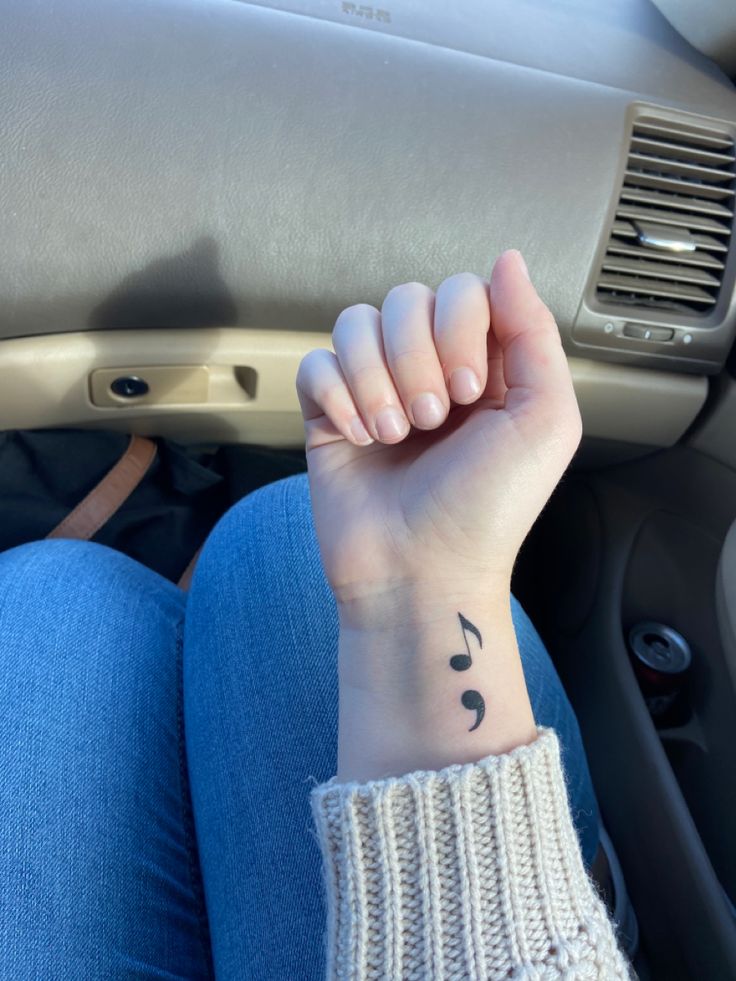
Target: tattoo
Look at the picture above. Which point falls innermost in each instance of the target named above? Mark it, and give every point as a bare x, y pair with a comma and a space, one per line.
461, 662
471, 699
474, 701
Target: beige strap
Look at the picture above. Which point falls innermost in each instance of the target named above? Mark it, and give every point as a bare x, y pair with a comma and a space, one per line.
111, 492
186, 577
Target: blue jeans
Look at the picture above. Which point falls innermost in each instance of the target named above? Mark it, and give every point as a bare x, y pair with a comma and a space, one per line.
157, 751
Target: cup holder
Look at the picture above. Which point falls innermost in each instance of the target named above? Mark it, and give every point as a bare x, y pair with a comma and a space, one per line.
661, 658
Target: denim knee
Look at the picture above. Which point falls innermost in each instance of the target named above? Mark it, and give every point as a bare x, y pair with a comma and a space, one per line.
266, 543
74, 611
58, 562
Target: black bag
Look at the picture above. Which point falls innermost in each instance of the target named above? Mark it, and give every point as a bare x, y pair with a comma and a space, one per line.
179, 492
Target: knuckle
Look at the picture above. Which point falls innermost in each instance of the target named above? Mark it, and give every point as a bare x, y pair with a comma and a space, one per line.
408, 292
366, 311
357, 312
354, 319
463, 311
343, 334
308, 365
462, 281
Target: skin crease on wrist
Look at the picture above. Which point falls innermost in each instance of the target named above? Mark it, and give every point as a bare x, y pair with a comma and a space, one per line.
419, 522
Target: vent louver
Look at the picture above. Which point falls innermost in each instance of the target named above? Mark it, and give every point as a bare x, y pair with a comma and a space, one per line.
670, 238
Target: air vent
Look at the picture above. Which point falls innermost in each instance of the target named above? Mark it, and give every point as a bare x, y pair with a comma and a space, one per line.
670, 238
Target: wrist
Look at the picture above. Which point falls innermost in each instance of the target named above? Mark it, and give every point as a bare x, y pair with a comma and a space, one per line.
435, 679
410, 604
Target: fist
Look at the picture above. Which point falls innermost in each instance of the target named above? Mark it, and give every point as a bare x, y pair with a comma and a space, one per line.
435, 433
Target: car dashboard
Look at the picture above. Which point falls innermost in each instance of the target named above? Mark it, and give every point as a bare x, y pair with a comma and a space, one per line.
193, 189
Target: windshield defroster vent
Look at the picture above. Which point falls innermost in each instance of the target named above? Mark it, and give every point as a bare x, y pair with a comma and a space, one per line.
671, 234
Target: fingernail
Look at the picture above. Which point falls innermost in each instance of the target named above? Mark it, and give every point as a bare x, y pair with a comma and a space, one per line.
359, 433
428, 411
464, 385
391, 425
522, 263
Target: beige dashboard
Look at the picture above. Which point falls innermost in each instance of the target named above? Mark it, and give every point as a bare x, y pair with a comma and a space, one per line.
202, 185
230, 385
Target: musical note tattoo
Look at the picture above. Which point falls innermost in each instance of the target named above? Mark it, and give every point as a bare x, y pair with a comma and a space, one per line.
471, 699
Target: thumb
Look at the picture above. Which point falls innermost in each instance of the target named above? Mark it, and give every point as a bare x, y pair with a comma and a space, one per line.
534, 364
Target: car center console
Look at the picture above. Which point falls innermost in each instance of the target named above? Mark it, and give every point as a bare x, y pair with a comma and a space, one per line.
636, 543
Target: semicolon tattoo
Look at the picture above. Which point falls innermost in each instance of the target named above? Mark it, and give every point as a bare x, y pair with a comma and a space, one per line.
470, 699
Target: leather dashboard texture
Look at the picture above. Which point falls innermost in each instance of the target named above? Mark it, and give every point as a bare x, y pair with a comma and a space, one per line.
196, 163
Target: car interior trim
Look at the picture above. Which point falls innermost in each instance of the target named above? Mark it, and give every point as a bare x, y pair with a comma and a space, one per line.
233, 385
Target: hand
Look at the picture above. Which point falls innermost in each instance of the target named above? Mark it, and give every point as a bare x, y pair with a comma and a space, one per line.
419, 530
453, 500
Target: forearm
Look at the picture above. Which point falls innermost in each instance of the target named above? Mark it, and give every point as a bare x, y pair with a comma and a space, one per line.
429, 676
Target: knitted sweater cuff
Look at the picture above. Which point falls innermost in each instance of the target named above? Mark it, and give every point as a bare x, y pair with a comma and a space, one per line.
472, 871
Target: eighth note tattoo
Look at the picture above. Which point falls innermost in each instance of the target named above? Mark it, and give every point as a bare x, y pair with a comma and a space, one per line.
470, 699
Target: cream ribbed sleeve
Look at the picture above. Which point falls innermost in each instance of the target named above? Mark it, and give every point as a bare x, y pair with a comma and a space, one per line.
471, 872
